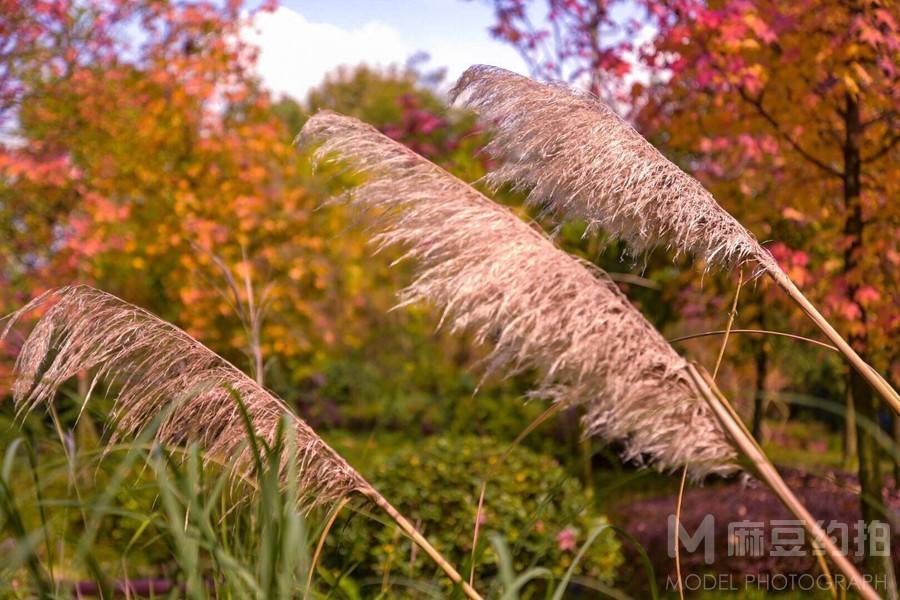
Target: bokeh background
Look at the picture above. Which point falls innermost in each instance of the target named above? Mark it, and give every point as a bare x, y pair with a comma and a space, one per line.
146, 149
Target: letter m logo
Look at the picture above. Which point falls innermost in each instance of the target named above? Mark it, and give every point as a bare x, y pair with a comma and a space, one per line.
705, 534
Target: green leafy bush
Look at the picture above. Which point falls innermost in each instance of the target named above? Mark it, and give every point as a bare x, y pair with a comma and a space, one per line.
542, 513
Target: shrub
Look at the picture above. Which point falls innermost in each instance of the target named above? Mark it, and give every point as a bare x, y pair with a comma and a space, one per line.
542, 512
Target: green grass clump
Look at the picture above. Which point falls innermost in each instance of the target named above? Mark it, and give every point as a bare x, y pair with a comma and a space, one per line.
141, 511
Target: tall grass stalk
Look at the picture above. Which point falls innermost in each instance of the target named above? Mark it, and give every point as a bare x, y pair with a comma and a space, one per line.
491, 272
783, 334
766, 471
540, 419
152, 363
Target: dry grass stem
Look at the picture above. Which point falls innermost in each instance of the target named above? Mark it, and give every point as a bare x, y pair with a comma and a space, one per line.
731, 315
321, 545
496, 276
799, 338
766, 471
538, 421
679, 581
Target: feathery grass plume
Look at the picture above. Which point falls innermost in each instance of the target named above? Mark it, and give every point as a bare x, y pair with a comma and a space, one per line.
495, 275
579, 158
152, 363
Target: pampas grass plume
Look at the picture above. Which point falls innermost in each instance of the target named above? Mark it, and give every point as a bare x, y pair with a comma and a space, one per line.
491, 273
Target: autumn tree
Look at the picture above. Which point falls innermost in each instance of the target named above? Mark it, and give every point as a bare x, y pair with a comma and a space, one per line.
159, 170
163, 172
788, 111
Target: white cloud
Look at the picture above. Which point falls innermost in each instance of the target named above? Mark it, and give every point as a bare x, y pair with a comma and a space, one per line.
295, 54
458, 56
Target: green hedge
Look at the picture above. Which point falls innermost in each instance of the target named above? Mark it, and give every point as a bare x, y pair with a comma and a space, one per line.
542, 512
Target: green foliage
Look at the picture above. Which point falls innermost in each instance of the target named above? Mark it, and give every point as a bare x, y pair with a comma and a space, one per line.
540, 511
369, 94
71, 513
146, 511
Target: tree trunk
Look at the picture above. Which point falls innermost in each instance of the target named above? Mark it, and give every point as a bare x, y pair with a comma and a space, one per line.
865, 404
895, 424
762, 372
871, 481
850, 441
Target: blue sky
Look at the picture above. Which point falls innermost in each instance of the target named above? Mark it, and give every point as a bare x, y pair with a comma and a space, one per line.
304, 39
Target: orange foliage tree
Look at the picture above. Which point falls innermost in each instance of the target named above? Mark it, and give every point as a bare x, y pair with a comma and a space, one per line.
144, 157
788, 111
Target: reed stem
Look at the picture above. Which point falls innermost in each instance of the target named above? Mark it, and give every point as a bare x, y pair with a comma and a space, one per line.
684, 473
767, 472
877, 382
549, 412
321, 544
790, 336
420, 541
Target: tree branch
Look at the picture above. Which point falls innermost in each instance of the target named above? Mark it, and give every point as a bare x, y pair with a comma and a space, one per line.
757, 104
884, 149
